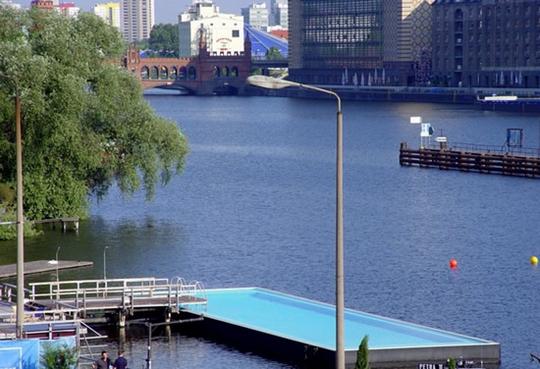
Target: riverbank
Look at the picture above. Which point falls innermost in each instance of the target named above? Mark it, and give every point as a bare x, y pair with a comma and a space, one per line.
439, 95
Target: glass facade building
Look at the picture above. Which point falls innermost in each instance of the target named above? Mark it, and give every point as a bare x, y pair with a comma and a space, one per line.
360, 42
333, 35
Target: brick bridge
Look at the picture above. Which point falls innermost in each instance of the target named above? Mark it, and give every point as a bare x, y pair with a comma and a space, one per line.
205, 74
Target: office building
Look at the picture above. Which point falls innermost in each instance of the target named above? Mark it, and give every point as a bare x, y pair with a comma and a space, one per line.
256, 15
481, 43
279, 13
360, 42
137, 19
109, 12
42, 4
223, 33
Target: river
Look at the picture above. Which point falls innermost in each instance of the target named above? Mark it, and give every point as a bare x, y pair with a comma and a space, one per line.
255, 207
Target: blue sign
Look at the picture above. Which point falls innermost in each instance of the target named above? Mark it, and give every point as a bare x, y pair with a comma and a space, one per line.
22, 354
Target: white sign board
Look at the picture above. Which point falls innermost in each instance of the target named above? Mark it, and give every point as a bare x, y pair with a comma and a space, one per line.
426, 131
416, 120
441, 139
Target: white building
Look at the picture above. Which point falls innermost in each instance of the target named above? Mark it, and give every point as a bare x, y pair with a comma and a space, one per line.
256, 15
109, 12
137, 19
224, 33
279, 13
68, 9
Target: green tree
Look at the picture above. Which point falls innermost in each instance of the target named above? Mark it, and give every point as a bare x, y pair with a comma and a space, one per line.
86, 123
362, 356
274, 54
55, 356
163, 40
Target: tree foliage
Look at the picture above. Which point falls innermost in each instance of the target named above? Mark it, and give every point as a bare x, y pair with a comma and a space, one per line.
273, 53
56, 356
86, 123
362, 356
163, 40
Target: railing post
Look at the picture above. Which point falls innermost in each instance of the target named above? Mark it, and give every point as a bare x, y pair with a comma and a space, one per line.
84, 303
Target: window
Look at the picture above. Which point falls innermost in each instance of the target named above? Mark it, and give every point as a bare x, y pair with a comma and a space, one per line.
235, 33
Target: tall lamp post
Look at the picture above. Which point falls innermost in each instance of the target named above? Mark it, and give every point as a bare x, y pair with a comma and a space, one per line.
57, 275
105, 262
20, 213
276, 84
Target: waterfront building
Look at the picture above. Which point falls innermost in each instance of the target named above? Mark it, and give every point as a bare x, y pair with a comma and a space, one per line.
43, 4
360, 42
224, 33
279, 13
479, 43
137, 19
256, 15
109, 12
68, 9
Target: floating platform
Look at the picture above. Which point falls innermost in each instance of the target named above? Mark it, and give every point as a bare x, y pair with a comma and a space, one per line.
472, 159
300, 330
42, 266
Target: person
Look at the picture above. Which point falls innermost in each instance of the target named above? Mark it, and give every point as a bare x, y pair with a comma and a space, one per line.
120, 362
103, 362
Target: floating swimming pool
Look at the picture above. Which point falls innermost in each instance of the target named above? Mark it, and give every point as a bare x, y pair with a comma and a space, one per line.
311, 324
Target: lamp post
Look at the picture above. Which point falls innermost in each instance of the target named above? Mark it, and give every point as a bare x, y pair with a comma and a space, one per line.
20, 212
105, 262
275, 84
57, 275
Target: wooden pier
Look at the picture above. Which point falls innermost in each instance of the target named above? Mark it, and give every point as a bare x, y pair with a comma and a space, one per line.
473, 158
42, 266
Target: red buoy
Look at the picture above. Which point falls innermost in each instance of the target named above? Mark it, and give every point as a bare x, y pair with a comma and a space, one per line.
453, 263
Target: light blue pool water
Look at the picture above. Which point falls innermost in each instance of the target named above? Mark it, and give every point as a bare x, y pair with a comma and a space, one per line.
313, 322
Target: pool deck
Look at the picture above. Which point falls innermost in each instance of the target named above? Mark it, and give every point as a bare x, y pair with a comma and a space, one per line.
305, 329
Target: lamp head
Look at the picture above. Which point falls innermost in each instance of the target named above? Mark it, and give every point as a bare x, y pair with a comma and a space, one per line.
270, 82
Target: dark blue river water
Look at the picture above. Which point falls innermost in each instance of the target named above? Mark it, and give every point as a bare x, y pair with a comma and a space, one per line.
255, 207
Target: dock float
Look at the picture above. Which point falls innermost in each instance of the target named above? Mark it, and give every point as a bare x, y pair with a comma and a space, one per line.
471, 160
42, 266
296, 329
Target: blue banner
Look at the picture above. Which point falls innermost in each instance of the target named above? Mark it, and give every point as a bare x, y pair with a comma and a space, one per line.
21, 354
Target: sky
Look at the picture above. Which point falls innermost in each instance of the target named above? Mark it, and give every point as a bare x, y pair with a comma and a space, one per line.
166, 10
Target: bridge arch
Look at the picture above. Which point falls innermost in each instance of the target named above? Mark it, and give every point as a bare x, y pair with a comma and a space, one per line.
145, 73
163, 72
216, 71
174, 73
234, 71
154, 72
225, 71
182, 73
192, 73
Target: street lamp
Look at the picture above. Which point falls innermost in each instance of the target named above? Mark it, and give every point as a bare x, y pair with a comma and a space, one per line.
20, 212
276, 84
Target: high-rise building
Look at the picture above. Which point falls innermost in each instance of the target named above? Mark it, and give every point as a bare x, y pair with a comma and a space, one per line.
486, 43
109, 12
137, 19
279, 13
256, 15
223, 33
360, 42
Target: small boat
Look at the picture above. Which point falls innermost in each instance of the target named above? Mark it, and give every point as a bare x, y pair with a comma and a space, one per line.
509, 103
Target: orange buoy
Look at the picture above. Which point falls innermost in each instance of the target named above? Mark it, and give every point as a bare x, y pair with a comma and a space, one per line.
453, 263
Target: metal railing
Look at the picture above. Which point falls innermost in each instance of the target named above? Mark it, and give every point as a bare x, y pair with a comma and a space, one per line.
126, 294
490, 149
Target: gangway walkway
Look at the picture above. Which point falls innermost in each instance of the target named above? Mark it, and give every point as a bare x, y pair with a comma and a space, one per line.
124, 297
